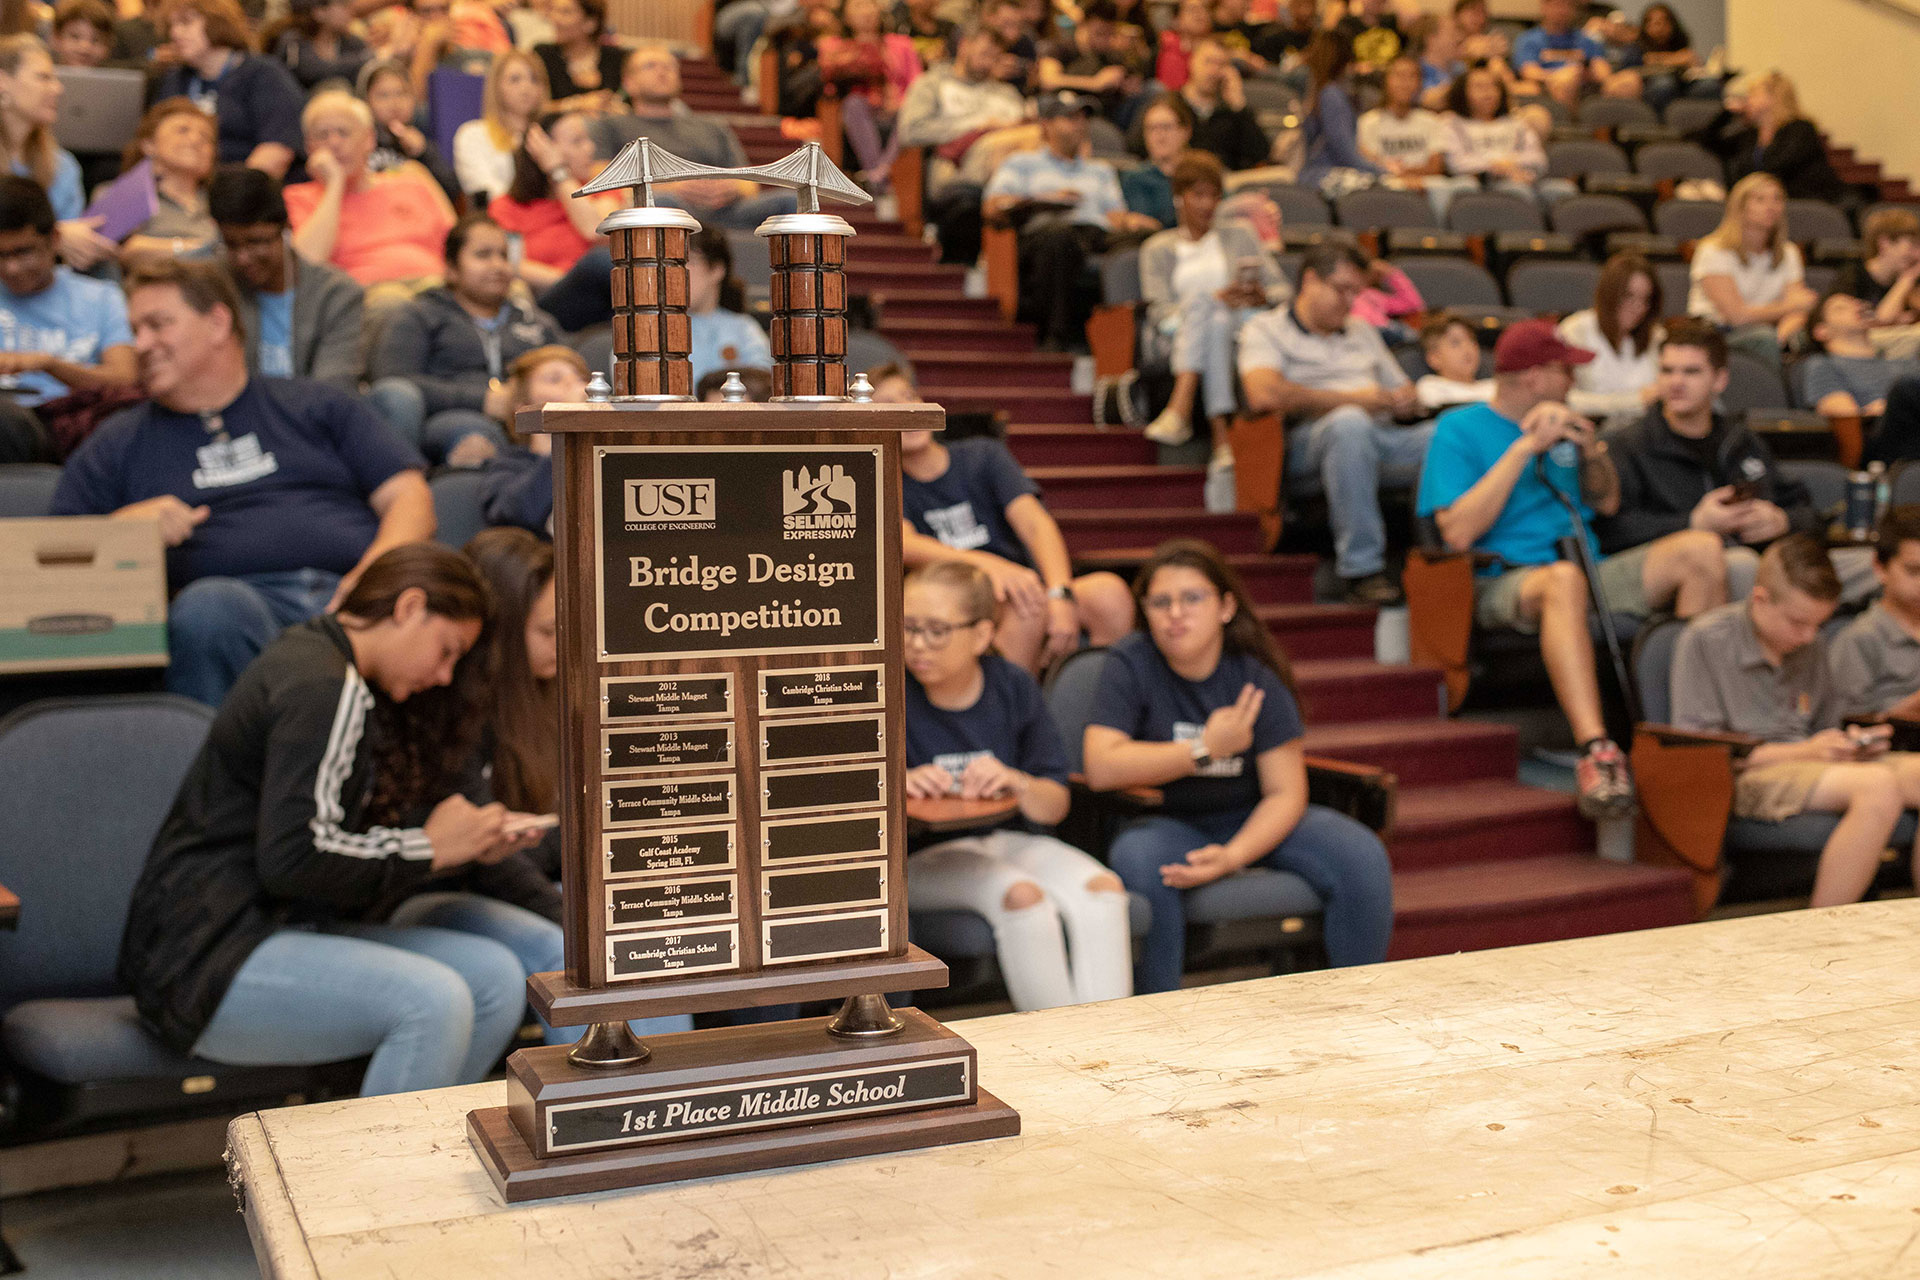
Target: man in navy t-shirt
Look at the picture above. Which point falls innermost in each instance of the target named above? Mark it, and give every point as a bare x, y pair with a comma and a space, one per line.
971, 501
272, 495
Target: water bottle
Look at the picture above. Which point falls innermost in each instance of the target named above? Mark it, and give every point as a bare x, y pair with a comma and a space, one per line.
1860, 503
1882, 491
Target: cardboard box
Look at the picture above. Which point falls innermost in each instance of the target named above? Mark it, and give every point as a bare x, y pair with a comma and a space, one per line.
81, 592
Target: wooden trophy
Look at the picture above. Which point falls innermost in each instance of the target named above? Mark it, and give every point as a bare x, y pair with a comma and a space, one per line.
731, 752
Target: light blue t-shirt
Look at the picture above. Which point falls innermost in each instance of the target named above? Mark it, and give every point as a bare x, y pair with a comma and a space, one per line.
1035, 175
727, 340
276, 334
75, 318
1534, 41
65, 194
1467, 442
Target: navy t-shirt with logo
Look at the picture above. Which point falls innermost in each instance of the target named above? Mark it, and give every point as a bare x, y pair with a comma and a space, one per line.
1008, 721
1144, 698
965, 507
287, 487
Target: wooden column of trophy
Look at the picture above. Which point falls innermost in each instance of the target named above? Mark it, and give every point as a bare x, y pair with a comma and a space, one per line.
728, 583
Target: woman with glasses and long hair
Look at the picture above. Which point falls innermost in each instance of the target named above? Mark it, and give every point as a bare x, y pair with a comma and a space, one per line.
1202, 706
336, 783
977, 728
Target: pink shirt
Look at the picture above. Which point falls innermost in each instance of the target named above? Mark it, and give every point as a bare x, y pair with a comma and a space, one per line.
393, 225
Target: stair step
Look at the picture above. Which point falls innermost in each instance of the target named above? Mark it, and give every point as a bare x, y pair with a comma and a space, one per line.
1484, 822
956, 335
1321, 630
866, 277
890, 247
1422, 752
1081, 487
989, 371
906, 302
1064, 446
1087, 531
1269, 579
1544, 899
1027, 404
1345, 690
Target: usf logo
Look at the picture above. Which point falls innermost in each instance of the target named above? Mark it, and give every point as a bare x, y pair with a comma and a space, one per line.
681, 502
818, 504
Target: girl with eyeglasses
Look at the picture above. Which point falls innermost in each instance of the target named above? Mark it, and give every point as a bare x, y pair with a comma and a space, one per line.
1202, 706
976, 728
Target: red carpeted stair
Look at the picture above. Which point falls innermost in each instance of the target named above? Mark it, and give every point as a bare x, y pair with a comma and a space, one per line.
1479, 859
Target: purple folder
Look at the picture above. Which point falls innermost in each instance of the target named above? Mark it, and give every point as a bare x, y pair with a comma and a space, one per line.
127, 203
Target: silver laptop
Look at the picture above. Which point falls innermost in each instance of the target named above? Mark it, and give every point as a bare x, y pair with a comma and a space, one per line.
100, 108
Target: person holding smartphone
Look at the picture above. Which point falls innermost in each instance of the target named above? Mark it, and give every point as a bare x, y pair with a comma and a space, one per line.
1761, 667
1498, 479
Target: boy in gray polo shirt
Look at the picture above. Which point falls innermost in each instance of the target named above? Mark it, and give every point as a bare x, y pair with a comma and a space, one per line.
1760, 668
1876, 661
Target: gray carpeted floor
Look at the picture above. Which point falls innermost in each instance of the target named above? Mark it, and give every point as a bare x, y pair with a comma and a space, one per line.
178, 1227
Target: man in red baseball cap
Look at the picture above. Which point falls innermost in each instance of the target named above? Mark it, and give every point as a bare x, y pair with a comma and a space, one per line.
1489, 482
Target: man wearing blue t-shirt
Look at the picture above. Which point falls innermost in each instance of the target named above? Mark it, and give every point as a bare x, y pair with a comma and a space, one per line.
272, 495
59, 332
1559, 57
1494, 480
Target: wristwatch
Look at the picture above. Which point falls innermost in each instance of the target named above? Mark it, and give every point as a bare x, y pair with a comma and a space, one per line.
1060, 593
1198, 750
558, 174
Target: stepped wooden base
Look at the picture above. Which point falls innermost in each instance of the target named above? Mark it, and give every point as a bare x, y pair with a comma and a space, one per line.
731, 1100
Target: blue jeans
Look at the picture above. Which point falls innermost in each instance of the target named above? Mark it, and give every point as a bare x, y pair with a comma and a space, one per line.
216, 626
1205, 344
1353, 454
534, 939
434, 1007
1339, 858
742, 23
403, 406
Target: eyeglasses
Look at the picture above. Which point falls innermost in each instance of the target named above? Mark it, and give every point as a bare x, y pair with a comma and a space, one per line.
935, 634
1186, 601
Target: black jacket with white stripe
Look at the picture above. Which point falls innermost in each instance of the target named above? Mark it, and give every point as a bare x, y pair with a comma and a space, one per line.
269, 831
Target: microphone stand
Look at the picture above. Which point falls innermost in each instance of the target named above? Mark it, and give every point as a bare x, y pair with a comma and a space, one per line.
1590, 568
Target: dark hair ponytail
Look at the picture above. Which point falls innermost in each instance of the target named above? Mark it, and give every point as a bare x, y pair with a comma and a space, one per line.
1244, 632
526, 711
421, 746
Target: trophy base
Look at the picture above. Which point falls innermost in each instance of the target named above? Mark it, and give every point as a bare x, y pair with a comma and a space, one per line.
732, 1100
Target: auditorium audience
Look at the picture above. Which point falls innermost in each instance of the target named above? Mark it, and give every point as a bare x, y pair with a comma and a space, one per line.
335, 782
518, 480
1202, 706
1166, 127
556, 229
1847, 377
82, 34
513, 97
319, 43
1347, 404
272, 495
29, 105
1760, 668
969, 120
583, 68
1762, 130
1884, 276
1371, 31
301, 319
397, 135
977, 728
1451, 348
1400, 138
1202, 282
1192, 23
1222, 122
1488, 142
723, 336
1495, 481
1098, 59
255, 99
970, 501
1622, 332
1666, 54
175, 144
1565, 62
872, 70
1332, 160
1747, 276
1875, 661
1080, 212
439, 370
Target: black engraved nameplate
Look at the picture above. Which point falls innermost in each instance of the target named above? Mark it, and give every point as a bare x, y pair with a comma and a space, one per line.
699, 949
627, 803
632, 905
810, 838
861, 933
665, 697
825, 888
639, 1118
672, 747
826, 738
783, 692
809, 789
664, 852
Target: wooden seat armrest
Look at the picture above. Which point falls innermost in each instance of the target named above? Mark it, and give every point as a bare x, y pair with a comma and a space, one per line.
1685, 781
1738, 745
1361, 791
909, 185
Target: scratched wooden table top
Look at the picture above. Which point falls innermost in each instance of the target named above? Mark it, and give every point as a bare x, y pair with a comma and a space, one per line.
1736, 1098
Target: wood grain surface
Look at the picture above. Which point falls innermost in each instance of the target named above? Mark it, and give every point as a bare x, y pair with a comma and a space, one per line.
1734, 1098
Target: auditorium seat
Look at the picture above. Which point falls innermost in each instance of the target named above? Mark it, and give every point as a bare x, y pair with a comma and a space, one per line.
1300, 207
26, 489
1451, 283
456, 505
72, 1042
1577, 159
1816, 220
1680, 161
1377, 207
1552, 288
1584, 215
1690, 115
1605, 113
1481, 212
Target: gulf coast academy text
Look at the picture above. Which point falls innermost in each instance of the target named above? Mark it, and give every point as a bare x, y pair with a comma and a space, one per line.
661, 617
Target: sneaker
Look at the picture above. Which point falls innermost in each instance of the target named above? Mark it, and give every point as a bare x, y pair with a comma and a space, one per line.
1605, 787
1375, 590
1170, 427
1219, 495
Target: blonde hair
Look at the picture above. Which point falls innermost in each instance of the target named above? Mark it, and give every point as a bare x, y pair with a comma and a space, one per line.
38, 151
1786, 99
490, 110
1729, 236
331, 102
972, 587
